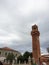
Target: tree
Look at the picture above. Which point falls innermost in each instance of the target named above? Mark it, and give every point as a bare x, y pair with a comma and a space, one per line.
31, 55
48, 49
10, 57
20, 58
26, 56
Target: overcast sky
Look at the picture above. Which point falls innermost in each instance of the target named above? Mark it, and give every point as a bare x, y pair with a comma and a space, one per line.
16, 20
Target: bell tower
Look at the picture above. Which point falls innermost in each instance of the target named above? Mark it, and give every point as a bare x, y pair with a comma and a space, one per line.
35, 43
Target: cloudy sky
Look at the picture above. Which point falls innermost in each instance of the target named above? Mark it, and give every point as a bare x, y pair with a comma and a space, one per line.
16, 20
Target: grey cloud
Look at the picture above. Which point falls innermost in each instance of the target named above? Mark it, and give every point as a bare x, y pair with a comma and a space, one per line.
23, 47
16, 17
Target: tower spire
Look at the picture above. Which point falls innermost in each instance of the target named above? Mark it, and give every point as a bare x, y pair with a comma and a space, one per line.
35, 43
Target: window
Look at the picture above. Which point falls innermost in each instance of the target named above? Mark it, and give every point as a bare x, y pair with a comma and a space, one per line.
6, 53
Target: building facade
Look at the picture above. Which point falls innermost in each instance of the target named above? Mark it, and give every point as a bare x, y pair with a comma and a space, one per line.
5, 51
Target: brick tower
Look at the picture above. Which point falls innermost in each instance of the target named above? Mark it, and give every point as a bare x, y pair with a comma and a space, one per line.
35, 43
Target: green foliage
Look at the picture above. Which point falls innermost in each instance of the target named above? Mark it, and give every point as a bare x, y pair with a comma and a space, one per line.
10, 57
24, 57
26, 54
20, 58
31, 55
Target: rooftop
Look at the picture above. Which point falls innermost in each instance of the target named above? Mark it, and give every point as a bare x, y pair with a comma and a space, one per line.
8, 49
